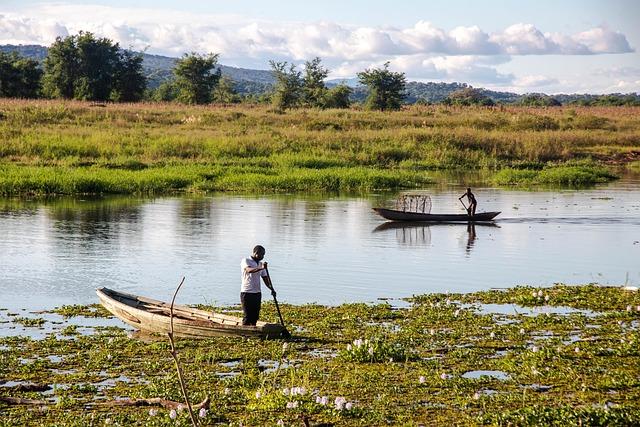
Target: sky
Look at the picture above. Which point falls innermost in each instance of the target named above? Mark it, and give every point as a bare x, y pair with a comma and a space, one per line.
559, 46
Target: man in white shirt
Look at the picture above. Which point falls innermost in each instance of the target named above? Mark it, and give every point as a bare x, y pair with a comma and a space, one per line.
250, 296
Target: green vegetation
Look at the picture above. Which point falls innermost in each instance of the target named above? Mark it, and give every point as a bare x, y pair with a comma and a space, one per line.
556, 356
74, 147
29, 321
555, 175
386, 88
539, 100
468, 96
287, 92
88, 68
19, 76
196, 78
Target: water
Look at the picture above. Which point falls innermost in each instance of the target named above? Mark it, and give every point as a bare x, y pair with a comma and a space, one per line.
320, 249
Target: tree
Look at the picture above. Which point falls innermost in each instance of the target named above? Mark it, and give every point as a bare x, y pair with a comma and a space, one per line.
288, 86
89, 68
539, 100
196, 78
386, 88
314, 90
19, 76
225, 91
166, 92
130, 80
98, 61
338, 97
61, 68
468, 96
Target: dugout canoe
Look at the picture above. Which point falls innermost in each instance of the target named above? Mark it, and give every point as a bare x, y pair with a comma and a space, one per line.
395, 215
152, 315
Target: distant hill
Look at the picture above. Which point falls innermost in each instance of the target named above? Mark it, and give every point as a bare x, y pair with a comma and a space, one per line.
247, 81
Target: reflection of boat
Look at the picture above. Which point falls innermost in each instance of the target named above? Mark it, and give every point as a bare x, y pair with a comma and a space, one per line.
395, 215
395, 225
153, 316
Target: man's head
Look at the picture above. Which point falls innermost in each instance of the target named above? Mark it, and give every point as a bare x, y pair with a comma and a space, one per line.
258, 253
468, 190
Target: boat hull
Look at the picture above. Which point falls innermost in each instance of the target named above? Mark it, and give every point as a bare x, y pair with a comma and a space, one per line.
395, 215
153, 316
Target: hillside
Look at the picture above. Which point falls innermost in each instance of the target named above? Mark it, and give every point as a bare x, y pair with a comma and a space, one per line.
248, 81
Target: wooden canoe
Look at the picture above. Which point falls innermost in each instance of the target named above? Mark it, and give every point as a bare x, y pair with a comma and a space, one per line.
395, 215
153, 316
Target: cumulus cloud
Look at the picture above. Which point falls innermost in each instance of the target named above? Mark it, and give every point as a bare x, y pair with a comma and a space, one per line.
167, 31
422, 50
535, 81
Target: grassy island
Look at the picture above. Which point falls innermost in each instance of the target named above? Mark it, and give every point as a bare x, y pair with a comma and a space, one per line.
564, 355
56, 147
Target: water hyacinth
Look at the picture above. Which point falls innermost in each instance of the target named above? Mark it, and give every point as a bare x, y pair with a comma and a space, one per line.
258, 395
339, 403
322, 400
153, 412
476, 396
173, 414
280, 422
444, 376
202, 413
292, 405
422, 379
374, 350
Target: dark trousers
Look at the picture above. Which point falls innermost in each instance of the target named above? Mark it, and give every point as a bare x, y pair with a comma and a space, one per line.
250, 307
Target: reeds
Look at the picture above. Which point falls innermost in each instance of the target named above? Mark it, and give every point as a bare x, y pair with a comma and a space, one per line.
76, 146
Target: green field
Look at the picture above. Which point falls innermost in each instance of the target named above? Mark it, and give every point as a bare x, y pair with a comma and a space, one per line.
55, 147
565, 355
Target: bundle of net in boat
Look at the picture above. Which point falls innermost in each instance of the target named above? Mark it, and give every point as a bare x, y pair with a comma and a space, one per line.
414, 203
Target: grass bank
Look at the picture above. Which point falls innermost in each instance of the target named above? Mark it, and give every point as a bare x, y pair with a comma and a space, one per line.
565, 355
71, 147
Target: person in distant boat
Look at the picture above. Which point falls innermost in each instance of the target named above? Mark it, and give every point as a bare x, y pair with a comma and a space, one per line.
252, 269
471, 209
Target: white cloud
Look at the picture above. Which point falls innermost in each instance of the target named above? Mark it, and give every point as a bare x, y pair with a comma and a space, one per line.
169, 31
536, 81
423, 50
603, 40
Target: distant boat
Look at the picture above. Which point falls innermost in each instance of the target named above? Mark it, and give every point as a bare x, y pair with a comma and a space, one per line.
395, 215
153, 316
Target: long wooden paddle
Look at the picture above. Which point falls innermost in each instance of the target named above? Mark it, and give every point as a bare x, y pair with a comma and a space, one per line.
465, 207
285, 333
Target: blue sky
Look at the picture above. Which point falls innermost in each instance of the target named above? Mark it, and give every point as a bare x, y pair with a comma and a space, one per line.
524, 46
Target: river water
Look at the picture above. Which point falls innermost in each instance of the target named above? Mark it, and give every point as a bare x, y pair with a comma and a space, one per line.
320, 249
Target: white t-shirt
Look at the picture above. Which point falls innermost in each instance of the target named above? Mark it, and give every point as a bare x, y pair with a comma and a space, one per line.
250, 281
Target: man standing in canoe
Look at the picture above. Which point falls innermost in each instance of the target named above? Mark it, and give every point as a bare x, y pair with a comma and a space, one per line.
250, 296
471, 209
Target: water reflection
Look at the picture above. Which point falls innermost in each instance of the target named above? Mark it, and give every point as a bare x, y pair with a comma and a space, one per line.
408, 233
471, 232
419, 233
320, 248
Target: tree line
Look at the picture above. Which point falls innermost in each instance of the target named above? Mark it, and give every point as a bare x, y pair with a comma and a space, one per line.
86, 67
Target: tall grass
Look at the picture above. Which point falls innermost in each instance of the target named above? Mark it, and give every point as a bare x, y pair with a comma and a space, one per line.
160, 146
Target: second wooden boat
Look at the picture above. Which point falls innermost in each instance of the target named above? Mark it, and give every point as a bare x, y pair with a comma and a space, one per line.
153, 316
395, 215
